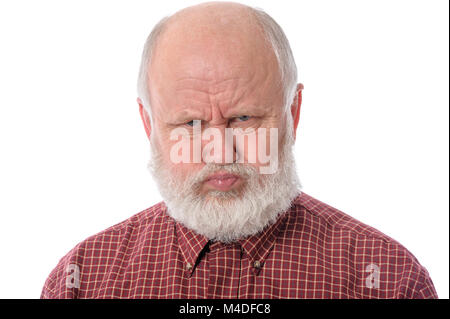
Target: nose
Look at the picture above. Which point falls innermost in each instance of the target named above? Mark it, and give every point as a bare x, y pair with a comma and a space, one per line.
219, 145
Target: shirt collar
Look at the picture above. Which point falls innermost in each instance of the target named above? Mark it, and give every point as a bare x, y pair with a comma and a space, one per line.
256, 247
191, 245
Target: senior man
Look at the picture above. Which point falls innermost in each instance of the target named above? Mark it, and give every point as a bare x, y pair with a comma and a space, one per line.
218, 92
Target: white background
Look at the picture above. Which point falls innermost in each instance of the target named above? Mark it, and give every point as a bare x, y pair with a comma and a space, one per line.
372, 140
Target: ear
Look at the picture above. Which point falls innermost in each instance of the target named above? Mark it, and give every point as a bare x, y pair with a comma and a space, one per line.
145, 118
295, 107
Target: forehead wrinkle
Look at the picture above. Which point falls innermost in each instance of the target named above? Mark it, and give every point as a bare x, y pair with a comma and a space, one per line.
239, 96
220, 89
205, 86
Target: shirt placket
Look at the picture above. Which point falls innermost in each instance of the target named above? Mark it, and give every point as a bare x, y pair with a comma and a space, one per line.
224, 263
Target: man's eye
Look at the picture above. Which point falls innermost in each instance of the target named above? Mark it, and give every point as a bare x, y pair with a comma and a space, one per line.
243, 118
193, 122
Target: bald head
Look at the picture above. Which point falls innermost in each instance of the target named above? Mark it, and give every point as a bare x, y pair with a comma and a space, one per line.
215, 17
213, 23
215, 35
215, 40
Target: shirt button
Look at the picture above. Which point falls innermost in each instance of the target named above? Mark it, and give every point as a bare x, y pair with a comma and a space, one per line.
188, 266
257, 264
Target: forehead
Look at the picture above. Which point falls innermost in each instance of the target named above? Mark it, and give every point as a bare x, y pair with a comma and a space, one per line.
196, 70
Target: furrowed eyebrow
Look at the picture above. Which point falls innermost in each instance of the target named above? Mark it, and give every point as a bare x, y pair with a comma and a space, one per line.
185, 115
250, 110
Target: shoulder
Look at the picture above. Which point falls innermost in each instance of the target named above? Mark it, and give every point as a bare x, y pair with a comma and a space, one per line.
362, 246
100, 251
336, 220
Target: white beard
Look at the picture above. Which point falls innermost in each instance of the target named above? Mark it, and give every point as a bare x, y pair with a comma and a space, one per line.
233, 215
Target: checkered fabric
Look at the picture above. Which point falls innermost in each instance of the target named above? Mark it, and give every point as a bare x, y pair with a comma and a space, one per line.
312, 251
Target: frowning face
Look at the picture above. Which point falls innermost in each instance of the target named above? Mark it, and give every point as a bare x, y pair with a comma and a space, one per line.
210, 83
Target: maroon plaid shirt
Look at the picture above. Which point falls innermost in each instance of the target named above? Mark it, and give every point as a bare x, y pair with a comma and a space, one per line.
312, 251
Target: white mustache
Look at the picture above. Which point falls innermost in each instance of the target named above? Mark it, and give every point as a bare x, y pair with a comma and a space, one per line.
242, 170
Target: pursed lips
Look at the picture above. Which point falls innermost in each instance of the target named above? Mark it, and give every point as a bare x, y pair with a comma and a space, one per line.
222, 181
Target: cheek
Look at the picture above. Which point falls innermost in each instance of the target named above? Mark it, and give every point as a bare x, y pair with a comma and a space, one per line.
178, 156
263, 147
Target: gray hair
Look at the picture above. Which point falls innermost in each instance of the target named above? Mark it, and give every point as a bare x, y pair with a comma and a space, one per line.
274, 35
